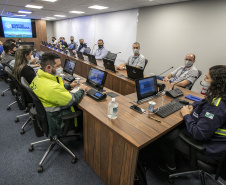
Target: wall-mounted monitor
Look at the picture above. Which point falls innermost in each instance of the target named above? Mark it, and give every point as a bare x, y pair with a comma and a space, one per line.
17, 28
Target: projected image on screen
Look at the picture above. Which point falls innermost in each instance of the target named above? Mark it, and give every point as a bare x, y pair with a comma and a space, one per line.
16, 27
147, 87
96, 76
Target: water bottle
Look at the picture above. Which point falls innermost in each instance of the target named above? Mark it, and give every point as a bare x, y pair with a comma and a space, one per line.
113, 109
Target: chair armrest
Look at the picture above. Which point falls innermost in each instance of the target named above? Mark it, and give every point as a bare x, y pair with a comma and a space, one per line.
187, 139
71, 115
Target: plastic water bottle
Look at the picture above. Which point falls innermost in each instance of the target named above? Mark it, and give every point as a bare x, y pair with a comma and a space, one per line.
113, 109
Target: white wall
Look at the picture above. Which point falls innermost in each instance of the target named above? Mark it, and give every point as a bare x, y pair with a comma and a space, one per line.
168, 32
49, 30
117, 29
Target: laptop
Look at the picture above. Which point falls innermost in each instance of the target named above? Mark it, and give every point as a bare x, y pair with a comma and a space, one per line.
134, 73
80, 55
69, 68
109, 65
96, 78
146, 88
92, 59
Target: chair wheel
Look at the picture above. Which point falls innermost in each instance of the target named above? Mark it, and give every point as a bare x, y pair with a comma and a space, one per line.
171, 181
74, 160
40, 169
22, 131
31, 148
16, 120
2, 94
8, 108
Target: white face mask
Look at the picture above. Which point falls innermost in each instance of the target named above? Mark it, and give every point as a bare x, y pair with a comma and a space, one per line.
59, 71
205, 84
188, 63
29, 61
136, 51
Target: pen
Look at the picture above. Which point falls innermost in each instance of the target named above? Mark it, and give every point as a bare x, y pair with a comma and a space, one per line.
154, 119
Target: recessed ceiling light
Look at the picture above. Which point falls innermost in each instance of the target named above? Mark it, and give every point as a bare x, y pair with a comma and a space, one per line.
34, 6
24, 11
50, 18
78, 12
50, 0
19, 15
46, 19
60, 15
98, 7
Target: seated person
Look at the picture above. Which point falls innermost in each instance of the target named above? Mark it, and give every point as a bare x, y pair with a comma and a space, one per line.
54, 95
33, 62
62, 42
205, 121
82, 46
187, 74
73, 44
1, 48
136, 60
54, 41
101, 52
10, 50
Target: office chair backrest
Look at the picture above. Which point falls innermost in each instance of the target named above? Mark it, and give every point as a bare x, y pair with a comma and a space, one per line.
146, 62
111, 56
199, 74
16, 89
87, 50
40, 122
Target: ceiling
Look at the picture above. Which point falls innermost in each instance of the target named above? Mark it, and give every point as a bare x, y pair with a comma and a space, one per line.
62, 7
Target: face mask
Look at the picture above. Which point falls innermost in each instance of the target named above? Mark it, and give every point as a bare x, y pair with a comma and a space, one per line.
136, 51
13, 52
72, 40
61, 41
188, 63
59, 71
81, 43
205, 84
100, 46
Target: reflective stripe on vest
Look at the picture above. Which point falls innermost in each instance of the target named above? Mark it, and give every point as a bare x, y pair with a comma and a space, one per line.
221, 132
216, 101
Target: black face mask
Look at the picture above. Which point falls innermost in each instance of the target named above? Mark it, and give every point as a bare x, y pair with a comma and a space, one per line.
100, 46
81, 43
13, 52
72, 40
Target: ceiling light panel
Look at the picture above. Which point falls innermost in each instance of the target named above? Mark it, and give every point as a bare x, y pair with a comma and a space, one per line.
98, 7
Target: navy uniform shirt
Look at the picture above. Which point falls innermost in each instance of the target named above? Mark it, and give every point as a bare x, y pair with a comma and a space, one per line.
203, 124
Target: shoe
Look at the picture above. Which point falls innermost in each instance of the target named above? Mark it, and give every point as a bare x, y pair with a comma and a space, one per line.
163, 166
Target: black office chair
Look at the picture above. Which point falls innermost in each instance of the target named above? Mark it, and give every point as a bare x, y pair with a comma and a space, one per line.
111, 56
196, 161
40, 123
146, 62
199, 74
6, 79
18, 93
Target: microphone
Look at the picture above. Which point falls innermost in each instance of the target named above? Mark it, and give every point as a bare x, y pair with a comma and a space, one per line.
93, 47
181, 81
165, 71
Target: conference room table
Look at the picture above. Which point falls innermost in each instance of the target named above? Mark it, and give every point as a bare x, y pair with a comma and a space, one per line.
119, 84
111, 146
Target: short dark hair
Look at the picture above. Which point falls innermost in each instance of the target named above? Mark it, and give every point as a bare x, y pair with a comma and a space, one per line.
54, 38
101, 40
48, 58
8, 46
137, 43
10, 40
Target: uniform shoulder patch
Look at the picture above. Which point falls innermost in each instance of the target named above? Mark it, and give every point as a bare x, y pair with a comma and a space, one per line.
209, 115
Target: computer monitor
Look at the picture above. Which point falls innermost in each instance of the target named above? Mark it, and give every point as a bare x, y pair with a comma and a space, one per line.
146, 87
69, 66
92, 59
96, 77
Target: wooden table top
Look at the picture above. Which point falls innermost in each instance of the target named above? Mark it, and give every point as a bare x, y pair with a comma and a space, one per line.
136, 128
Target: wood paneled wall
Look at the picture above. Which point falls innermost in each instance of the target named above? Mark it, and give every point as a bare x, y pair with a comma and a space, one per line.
40, 34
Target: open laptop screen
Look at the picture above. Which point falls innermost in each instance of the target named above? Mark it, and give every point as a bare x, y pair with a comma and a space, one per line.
69, 66
146, 87
97, 76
